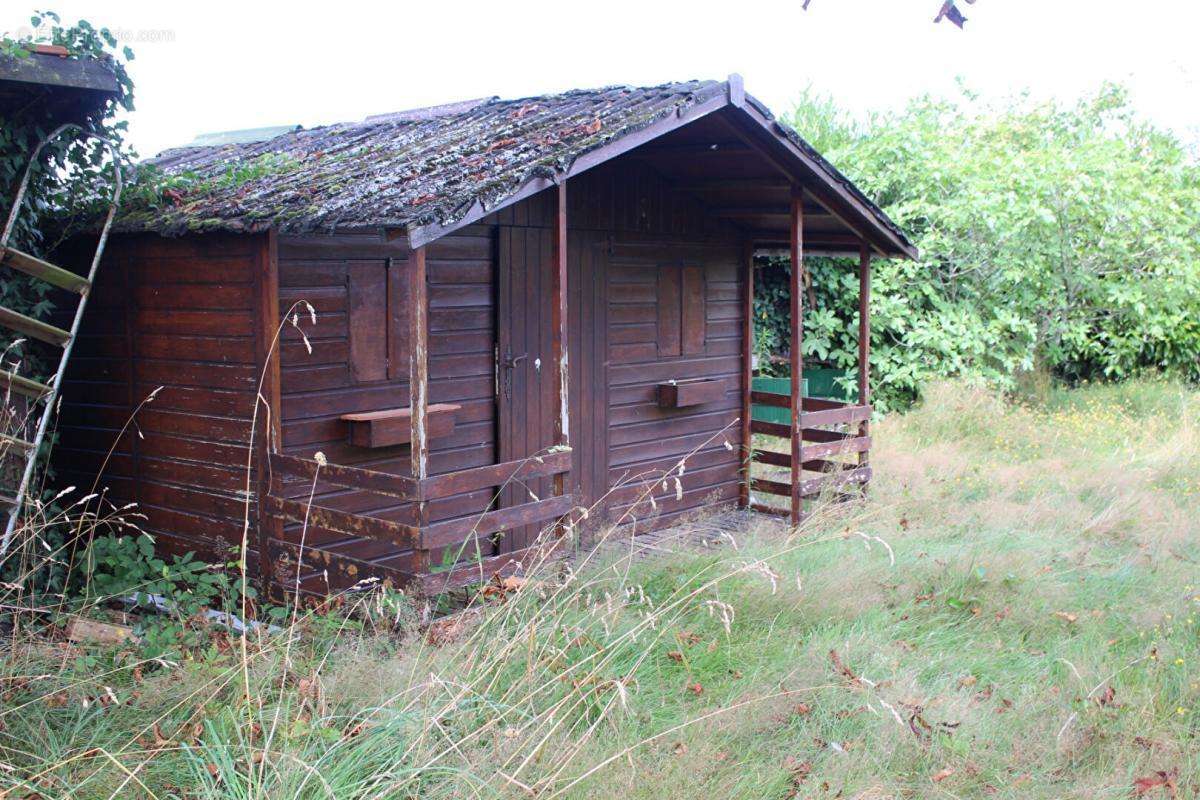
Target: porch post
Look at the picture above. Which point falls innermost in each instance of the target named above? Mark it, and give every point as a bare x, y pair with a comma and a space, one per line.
864, 341
797, 358
747, 374
418, 388
560, 343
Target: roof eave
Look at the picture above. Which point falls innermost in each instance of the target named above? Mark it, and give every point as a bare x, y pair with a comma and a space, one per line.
878, 231
422, 235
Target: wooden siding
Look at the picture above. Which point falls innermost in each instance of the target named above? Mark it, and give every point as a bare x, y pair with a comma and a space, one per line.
318, 388
645, 440
186, 314
628, 225
176, 314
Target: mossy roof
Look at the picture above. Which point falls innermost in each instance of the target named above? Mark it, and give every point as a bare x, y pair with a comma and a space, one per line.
408, 170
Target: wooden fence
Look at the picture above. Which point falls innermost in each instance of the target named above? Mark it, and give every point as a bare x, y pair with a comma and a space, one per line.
469, 534
828, 430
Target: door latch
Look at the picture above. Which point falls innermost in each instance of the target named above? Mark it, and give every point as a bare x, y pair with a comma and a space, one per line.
509, 361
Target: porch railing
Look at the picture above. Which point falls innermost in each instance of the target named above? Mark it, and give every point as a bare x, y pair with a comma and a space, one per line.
468, 534
829, 431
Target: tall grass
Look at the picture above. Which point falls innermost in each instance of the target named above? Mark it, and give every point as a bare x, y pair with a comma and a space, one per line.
1011, 613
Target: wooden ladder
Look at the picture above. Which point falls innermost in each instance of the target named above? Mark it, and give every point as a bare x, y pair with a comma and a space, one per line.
10, 382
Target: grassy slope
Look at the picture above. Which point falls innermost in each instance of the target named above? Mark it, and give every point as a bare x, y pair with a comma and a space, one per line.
1043, 557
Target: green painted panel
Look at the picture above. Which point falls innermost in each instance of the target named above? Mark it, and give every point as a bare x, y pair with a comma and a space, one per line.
818, 382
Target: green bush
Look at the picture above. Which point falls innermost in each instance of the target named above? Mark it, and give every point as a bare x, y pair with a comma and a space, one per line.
1060, 238
116, 567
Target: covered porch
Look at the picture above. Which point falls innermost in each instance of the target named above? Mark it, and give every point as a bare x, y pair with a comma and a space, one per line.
765, 188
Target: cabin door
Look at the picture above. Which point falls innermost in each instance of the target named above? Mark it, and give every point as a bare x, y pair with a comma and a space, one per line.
525, 389
524, 380
523, 376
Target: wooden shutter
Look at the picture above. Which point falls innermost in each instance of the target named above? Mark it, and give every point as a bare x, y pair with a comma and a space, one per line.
378, 309
693, 331
399, 305
682, 311
669, 291
367, 320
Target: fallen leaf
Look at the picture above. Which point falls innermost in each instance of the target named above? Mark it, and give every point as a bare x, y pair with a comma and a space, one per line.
695, 688
941, 775
803, 709
675, 656
679, 749
844, 670
1159, 780
1106, 697
967, 681
445, 631
1066, 615
800, 770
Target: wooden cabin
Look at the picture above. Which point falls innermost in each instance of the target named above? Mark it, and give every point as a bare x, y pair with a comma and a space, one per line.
464, 323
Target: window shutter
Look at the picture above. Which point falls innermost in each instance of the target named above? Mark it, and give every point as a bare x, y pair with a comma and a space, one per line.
682, 311
399, 309
366, 317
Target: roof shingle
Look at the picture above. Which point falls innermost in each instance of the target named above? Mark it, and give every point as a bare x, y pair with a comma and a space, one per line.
428, 167
397, 171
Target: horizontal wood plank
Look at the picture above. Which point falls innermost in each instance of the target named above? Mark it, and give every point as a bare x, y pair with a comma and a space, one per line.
835, 416
816, 486
395, 533
400, 486
456, 531
858, 444
469, 480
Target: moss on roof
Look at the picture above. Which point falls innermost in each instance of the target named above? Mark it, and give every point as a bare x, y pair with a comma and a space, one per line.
428, 167
396, 171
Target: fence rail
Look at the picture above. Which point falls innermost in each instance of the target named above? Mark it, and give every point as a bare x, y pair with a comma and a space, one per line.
828, 430
468, 534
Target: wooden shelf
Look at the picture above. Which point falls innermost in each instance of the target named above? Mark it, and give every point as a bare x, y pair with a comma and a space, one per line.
681, 394
393, 426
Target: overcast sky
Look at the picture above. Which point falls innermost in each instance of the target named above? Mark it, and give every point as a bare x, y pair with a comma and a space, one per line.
211, 66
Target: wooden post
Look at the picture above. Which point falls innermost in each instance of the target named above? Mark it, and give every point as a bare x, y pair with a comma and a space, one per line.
560, 342
418, 389
266, 299
747, 373
797, 357
864, 340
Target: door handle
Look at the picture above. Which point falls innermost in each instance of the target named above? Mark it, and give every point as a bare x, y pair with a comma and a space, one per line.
508, 362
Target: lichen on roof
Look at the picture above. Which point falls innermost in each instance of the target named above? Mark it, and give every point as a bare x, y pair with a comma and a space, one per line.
397, 170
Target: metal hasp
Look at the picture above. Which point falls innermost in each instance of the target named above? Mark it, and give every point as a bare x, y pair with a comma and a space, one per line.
64, 279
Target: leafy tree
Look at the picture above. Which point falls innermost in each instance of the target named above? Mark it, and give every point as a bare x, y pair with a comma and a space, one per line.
1063, 238
73, 174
